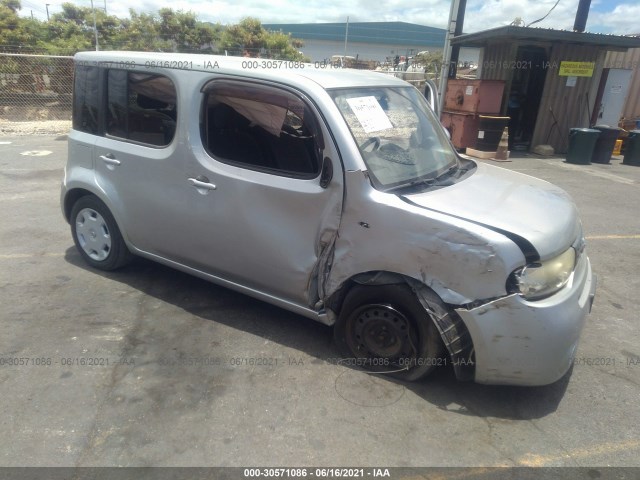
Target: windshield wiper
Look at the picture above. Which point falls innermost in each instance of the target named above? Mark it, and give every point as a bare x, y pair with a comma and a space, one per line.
450, 171
425, 181
428, 182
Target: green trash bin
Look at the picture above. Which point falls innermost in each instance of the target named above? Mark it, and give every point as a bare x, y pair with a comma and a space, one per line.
632, 152
605, 144
581, 143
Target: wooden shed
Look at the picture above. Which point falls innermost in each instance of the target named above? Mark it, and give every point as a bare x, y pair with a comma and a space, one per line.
552, 78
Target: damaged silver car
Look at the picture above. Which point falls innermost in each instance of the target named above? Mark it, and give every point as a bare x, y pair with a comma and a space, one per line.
334, 194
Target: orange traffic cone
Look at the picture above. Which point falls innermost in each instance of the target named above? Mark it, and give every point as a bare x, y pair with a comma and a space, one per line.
502, 154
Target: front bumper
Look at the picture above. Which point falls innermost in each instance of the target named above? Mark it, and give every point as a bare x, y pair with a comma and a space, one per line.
520, 342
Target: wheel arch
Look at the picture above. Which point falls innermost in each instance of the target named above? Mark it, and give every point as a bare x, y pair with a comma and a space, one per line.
453, 331
101, 243
76, 193
71, 197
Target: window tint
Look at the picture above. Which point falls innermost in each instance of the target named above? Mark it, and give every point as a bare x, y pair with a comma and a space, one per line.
85, 99
261, 128
141, 107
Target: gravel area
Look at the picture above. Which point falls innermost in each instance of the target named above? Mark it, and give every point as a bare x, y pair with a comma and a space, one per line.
41, 127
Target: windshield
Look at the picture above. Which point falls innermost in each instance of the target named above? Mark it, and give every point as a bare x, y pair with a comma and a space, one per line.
397, 134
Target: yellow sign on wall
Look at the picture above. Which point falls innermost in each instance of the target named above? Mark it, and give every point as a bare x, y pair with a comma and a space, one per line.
576, 69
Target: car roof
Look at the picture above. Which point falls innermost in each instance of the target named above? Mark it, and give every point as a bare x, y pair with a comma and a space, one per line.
292, 72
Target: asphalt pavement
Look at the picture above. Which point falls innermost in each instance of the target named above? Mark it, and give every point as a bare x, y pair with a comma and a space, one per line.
151, 367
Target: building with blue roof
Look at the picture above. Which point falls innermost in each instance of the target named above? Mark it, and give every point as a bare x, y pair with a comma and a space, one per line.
379, 41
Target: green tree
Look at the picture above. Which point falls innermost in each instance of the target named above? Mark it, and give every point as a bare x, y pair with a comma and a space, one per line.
13, 5
141, 32
72, 30
15, 31
250, 38
432, 61
185, 31
282, 47
247, 38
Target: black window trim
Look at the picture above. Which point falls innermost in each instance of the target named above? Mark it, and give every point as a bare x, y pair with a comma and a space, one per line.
319, 140
104, 95
74, 99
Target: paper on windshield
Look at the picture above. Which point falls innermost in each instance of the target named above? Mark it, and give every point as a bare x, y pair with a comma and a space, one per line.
369, 113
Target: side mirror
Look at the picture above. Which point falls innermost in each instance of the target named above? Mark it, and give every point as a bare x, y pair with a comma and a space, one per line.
326, 173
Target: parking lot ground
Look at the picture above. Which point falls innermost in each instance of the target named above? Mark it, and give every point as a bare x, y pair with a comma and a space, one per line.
151, 367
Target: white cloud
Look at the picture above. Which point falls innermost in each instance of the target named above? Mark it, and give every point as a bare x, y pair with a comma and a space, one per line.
605, 16
496, 13
623, 19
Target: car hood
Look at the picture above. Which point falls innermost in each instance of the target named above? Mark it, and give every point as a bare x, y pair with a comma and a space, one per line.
538, 216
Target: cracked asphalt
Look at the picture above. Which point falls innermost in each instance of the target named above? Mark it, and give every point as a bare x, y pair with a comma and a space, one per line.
151, 367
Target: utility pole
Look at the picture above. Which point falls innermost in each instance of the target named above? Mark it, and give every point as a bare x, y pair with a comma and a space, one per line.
105, 7
47, 6
456, 15
455, 50
95, 28
346, 36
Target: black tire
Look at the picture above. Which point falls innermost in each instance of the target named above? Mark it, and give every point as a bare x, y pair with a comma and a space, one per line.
385, 329
97, 236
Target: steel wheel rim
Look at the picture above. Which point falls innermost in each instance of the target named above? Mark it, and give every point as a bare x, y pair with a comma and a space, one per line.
93, 234
381, 331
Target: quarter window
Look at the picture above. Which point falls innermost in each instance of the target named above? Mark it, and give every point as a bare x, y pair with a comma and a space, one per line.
85, 99
141, 107
261, 128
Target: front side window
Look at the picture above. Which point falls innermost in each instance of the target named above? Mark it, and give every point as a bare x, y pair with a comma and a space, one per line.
397, 134
261, 128
85, 99
141, 107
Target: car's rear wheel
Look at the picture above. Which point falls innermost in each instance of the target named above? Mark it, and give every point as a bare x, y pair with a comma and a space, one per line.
385, 329
97, 236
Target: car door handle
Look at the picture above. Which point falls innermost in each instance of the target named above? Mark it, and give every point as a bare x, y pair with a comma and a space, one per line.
109, 159
202, 183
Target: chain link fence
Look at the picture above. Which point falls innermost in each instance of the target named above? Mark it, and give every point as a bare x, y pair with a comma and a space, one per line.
35, 93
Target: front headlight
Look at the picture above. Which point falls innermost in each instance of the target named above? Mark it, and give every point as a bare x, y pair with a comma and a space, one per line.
541, 279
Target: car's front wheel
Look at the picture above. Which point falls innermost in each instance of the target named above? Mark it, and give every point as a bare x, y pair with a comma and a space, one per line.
385, 329
97, 236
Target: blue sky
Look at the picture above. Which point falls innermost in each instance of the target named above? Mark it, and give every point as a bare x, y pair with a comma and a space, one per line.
606, 16
605, 6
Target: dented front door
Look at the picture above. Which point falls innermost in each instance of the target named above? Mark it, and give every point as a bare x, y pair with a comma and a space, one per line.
255, 220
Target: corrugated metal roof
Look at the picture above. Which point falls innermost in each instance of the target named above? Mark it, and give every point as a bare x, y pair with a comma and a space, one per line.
387, 33
480, 39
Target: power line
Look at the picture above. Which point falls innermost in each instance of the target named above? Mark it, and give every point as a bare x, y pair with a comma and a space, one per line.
33, 6
541, 19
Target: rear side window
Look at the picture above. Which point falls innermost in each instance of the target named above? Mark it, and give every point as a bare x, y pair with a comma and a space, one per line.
85, 99
261, 128
141, 107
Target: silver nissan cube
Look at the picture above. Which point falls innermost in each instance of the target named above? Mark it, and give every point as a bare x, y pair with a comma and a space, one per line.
335, 194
